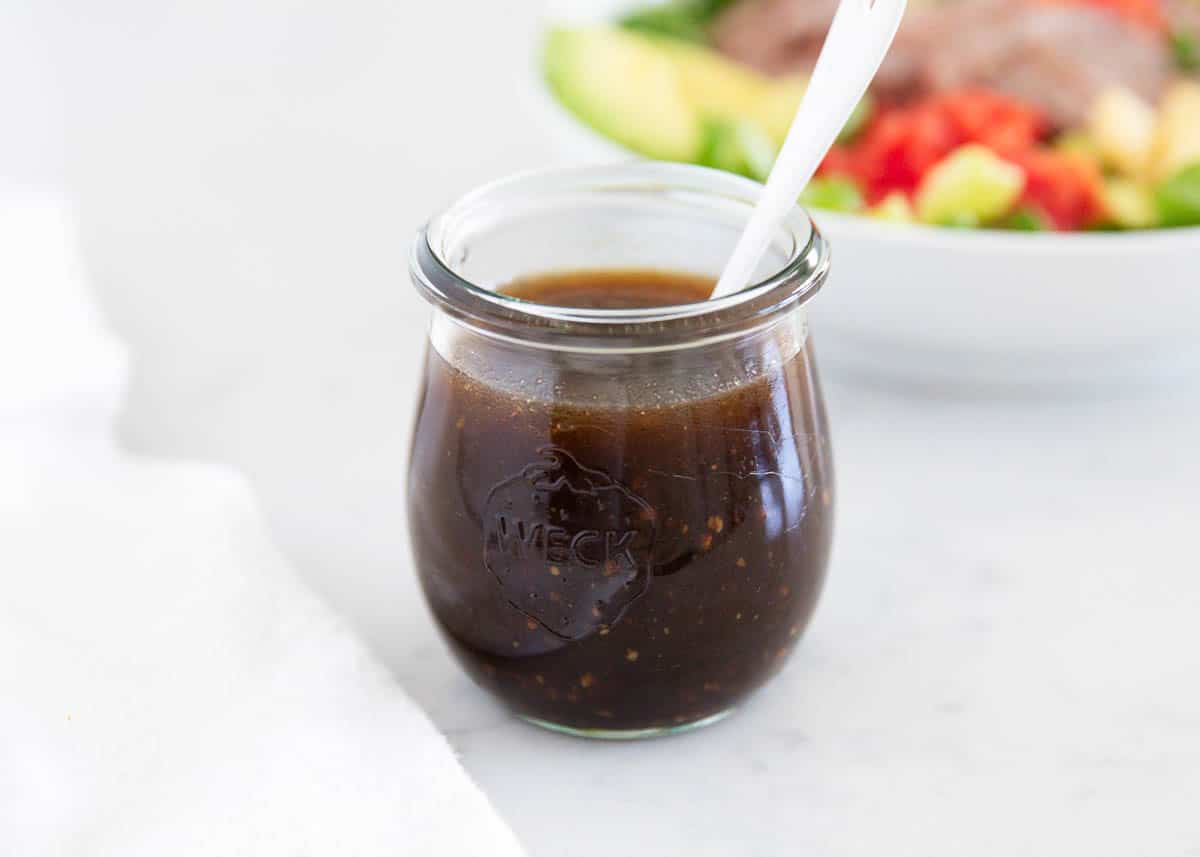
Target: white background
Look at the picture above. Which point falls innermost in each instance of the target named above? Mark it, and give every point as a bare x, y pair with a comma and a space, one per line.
1006, 659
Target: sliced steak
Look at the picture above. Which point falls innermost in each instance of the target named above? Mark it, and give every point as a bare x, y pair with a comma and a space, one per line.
1058, 57
1183, 16
774, 36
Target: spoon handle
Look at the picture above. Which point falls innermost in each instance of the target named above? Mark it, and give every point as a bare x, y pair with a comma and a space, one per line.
859, 37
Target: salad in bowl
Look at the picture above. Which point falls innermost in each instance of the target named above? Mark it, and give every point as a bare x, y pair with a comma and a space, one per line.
1014, 204
1032, 115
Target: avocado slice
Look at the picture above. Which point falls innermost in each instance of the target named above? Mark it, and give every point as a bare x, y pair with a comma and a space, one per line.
1128, 204
737, 147
625, 87
660, 96
724, 89
834, 193
971, 185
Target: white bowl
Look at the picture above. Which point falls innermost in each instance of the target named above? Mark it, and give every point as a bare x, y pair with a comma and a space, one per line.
980, 306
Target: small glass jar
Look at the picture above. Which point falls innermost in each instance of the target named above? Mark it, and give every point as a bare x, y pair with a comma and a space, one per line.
621, 518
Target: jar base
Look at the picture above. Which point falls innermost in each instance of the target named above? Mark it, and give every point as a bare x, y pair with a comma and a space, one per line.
629, 734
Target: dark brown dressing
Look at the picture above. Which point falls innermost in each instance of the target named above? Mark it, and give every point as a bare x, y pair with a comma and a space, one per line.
602, 565
615, 289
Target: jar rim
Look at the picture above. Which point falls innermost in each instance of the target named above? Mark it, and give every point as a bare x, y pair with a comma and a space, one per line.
801, 276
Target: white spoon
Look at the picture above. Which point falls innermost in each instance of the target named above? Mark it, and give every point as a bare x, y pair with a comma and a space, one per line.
859, 37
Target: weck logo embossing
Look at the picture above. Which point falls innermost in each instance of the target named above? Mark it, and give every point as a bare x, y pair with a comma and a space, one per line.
570, 547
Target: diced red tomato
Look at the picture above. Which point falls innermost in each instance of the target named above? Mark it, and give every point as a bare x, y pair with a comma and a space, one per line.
839, 162
1066, 187
1145, 13
902, 142
1002, 124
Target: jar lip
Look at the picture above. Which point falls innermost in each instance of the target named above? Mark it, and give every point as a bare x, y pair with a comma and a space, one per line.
795, 283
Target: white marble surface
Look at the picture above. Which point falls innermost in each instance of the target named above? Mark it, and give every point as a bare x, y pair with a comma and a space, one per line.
1006, 661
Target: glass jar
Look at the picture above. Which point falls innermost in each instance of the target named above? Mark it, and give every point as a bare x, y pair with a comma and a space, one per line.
621, 518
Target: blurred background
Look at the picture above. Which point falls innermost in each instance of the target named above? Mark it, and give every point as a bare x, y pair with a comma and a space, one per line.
245, 180
246, 183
